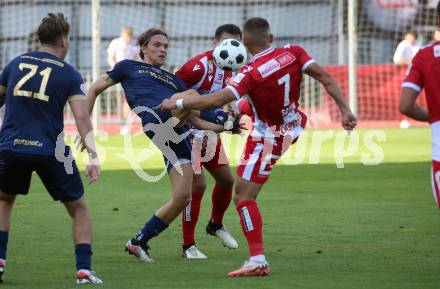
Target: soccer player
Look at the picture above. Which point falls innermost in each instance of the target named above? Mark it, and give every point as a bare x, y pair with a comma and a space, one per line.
272, 81
424, 72
145, 85
202, 74
35, 87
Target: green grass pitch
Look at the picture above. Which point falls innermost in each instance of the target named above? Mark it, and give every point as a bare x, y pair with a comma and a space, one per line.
361, 226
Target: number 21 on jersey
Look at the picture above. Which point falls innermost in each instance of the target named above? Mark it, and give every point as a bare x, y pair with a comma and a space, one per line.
45, 73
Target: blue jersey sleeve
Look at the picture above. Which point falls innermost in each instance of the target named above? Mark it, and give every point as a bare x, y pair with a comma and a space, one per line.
77, 89
117, 73
181, 86
214, 115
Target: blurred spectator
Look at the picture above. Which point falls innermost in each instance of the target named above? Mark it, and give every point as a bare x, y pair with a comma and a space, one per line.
436, 35
406, 50
123, 47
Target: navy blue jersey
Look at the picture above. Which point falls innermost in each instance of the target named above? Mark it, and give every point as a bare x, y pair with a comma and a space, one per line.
37, 86
144, 84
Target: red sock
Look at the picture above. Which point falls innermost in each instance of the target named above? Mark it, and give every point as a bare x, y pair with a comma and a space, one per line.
252, 226
190, 215
436, 181
221, 198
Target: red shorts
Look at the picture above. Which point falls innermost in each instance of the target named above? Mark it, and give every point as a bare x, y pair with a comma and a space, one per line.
206, 155
261, 154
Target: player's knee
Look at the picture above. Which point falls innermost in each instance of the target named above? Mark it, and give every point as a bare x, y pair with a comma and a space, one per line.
77, 208
7, 199
182, 201
238, 198
199, 186
227, 181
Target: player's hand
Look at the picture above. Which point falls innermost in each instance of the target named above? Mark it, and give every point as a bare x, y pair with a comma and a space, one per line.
168, 104
349, 120
79, 144
93, 170
235, 125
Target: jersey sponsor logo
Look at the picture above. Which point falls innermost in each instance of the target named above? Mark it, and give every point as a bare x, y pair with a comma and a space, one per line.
238, 78
196, 67
26, 142
285, 59
159, 75
289, 113
269, 67
276, 64
437, 51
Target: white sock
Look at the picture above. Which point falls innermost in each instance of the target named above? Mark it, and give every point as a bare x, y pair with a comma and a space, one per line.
84, 271
258, 258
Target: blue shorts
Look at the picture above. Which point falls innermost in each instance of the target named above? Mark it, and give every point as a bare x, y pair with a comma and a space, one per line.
174, 143
16, 172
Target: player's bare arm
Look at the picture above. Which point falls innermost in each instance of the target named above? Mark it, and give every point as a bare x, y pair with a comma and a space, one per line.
191, 99
95, 89
409, 107
85, 129
349, 121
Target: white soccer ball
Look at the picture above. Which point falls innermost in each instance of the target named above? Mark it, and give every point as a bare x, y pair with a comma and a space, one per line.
404, 124
230, 55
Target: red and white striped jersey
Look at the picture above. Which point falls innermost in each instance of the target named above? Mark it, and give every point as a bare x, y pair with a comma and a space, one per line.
424, 72
201, 74
272, 82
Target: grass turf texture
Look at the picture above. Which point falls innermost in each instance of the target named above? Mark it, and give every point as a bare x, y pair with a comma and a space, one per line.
357, 227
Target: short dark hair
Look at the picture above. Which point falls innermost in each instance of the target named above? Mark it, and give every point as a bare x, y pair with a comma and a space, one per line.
256, 25
52, 27
256, 30
145, 37
227, 28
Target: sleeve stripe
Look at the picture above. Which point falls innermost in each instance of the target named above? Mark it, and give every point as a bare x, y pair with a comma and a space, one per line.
307, 64
2, 89
108, 79
412, 86
234, 91
77, 97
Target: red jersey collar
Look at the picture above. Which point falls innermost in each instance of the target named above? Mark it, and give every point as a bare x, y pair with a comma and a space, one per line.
264, 52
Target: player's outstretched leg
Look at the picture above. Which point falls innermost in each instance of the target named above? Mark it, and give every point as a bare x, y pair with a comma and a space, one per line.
181, 195
82, 237
252, 226
6, 204
221, 198
190, 216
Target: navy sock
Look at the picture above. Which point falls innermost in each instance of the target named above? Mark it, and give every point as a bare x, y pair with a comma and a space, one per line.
151, 229
3, 244
83, 254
